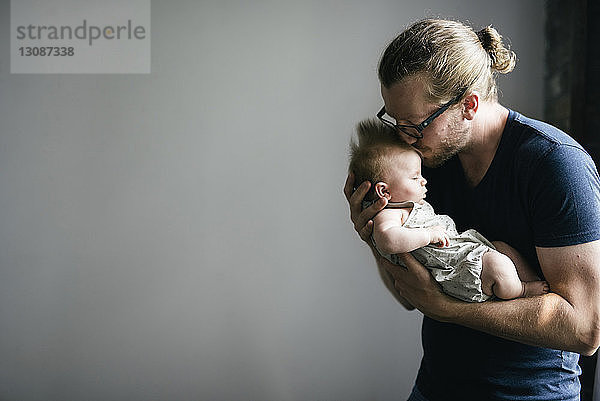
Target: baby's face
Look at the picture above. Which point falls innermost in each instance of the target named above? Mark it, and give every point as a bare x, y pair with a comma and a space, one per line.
405, 182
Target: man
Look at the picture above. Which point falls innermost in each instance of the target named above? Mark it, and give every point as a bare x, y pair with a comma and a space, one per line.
511, 178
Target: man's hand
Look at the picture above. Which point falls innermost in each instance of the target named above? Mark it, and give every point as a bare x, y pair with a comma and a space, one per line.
364, 227
362, 219
416, 286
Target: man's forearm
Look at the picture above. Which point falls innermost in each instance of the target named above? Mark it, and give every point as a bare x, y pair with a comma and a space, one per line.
547, 321
389, 284
551, 320
388, 281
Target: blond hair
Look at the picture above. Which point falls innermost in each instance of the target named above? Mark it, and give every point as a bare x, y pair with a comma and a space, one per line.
453, 58
370, 156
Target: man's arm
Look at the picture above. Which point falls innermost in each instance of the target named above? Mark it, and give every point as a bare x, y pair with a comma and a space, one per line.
388, 280
364, 226
567, 319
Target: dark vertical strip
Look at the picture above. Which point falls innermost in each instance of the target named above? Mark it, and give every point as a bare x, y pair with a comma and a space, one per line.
591, 141
572, 94
591, 106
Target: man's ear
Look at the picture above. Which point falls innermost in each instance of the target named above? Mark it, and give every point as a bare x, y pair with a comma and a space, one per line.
470, 105
382, 190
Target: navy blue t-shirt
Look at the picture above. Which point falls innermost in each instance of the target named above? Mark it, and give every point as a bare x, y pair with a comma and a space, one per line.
541, 189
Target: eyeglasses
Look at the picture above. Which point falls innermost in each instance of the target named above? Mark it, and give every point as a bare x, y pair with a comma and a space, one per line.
415, 131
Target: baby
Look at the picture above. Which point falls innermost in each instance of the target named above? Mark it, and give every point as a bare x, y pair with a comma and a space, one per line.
466, 265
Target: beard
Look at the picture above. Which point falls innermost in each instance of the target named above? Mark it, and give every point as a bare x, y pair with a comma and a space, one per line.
455, 141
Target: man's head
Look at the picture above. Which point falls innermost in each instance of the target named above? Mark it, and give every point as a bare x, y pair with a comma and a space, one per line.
433, 77
392, 166
451, 58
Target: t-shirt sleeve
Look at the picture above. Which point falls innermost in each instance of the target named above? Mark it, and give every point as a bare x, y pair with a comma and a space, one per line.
565, 198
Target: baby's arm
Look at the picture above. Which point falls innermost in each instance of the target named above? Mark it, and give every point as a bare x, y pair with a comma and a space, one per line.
391, 237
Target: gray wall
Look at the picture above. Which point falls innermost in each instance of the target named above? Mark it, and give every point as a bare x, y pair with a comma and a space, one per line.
183, 235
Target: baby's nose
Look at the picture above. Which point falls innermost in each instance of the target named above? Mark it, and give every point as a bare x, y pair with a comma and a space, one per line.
423, 181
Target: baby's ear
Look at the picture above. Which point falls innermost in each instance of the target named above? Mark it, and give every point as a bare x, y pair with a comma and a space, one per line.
382, 190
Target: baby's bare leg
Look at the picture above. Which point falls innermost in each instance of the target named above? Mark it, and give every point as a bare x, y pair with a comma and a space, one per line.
524, 270
499, 277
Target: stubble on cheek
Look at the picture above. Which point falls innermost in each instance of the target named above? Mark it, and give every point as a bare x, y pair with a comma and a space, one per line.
453, 141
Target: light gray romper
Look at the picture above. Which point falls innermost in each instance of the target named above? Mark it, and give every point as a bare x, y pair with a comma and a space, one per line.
456, 267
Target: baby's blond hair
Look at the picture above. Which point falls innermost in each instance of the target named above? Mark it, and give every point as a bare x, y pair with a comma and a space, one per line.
371, 154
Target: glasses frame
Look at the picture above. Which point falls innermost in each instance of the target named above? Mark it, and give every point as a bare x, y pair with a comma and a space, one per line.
418, 127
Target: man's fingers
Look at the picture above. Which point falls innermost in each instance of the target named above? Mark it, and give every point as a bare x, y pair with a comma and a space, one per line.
366, 231
349, 186
413, 266
357, 197
363, 217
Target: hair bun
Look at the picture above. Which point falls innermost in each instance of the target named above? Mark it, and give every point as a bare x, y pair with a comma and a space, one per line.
503, 59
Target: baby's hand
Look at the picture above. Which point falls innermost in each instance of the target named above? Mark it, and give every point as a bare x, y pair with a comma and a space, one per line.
438, 236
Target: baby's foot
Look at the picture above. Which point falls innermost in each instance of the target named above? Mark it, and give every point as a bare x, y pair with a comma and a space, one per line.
532, 288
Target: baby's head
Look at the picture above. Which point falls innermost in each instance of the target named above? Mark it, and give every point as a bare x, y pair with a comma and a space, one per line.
391, 165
